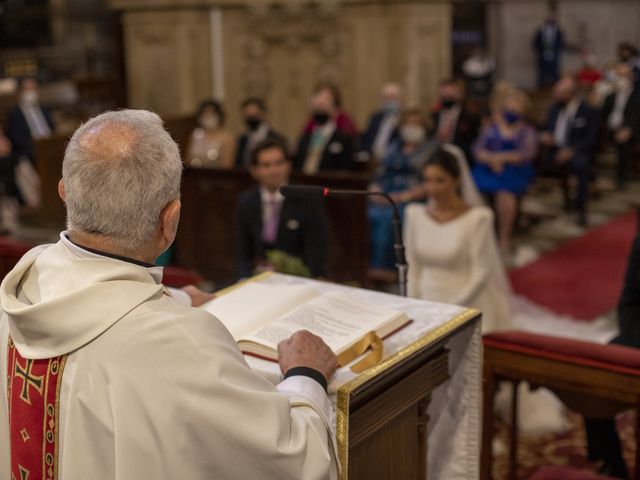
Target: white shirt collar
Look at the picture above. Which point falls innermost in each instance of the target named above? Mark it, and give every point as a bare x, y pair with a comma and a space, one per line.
155, 271
266, 196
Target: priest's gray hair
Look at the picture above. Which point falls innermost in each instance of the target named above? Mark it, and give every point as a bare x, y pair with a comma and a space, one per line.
120, 170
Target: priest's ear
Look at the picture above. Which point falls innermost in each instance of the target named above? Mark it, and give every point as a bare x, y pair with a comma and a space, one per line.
169, 219
61, 189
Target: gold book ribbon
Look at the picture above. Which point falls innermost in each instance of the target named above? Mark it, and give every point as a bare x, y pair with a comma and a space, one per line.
370, 341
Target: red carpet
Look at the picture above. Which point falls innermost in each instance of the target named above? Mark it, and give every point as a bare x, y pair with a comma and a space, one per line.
583, 277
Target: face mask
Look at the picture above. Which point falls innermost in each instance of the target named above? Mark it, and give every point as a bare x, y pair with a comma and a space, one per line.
391, 106
253, 123
447, 103
30, 97
209, 122
622, 83
610, 76
321, 118
413, 134
511, 117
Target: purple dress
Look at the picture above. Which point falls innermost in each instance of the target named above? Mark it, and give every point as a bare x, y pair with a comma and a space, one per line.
515, 178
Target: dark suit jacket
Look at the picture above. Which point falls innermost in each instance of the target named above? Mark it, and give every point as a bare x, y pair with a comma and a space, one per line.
631, 112
629, 305
243, 141
337, 155
466, 131
19, 133
302, 232
583, 130
557, 47
369, 136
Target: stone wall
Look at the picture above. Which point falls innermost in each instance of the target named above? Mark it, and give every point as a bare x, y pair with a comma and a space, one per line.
598, 25
179, 52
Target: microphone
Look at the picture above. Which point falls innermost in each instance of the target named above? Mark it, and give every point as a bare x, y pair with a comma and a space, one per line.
315, 191
303, 191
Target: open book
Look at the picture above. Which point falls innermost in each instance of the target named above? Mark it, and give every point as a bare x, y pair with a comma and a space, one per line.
260, 315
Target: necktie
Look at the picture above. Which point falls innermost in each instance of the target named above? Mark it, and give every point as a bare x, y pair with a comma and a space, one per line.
270, 227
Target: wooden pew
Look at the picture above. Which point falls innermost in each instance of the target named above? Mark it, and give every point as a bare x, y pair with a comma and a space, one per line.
48, 155
205, 240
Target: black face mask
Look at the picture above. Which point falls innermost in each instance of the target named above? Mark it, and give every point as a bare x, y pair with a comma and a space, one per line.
321, 117
447, 103
253, 123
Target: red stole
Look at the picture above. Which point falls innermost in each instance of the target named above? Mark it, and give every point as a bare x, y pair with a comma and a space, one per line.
34, 398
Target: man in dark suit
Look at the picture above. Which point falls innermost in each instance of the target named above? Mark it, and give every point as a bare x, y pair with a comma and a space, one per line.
569, 138
29, 120
265, 220
548, 43
453, 122
621, 115
324, 147
382, 128
254, 112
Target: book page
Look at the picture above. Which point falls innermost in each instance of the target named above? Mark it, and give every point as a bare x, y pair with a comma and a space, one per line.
251, 306
335, 317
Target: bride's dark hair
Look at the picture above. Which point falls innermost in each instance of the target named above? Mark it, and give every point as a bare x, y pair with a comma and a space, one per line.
445, 160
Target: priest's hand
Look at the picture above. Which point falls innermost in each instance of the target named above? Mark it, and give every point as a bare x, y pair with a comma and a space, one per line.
304, 349
198, 297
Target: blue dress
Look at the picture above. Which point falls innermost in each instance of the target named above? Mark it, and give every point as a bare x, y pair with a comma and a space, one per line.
514, 178
398, 172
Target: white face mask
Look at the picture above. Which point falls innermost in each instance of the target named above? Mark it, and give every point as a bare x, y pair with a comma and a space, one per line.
29, 97
622, 83
209, 122
413, 134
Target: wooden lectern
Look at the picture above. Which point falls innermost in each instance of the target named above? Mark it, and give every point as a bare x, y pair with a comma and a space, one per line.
382, 421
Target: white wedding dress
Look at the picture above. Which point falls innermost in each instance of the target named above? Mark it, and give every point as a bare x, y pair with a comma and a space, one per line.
458, 262
454, 262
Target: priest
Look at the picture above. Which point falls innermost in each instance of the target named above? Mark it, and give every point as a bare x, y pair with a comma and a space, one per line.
104, 375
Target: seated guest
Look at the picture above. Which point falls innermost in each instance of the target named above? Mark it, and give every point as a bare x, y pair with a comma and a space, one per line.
621, 115
568, 139
504, 154
8, 162
140, 384
325, 146
211, 145
29, 120
452, 120
589, 74
344, 122
382, 129
628, 53
399, 176
451, 246
478, 72
254, 112
265, 220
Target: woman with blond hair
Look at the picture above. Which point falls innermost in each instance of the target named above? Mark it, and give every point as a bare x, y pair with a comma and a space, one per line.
504, 154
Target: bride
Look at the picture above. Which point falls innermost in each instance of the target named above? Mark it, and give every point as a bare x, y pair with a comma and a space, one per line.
451, 245
453, 258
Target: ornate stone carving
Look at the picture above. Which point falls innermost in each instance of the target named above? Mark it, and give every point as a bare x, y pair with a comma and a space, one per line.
296, 27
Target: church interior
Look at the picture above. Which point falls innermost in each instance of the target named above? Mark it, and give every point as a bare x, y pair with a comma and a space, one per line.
529, 108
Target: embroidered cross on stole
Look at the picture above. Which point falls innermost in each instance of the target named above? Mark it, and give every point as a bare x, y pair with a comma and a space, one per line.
34, 398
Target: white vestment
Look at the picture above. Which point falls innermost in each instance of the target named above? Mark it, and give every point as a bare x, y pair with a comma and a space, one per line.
152, 388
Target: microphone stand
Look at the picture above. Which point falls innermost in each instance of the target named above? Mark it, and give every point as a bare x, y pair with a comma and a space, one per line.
398, 246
